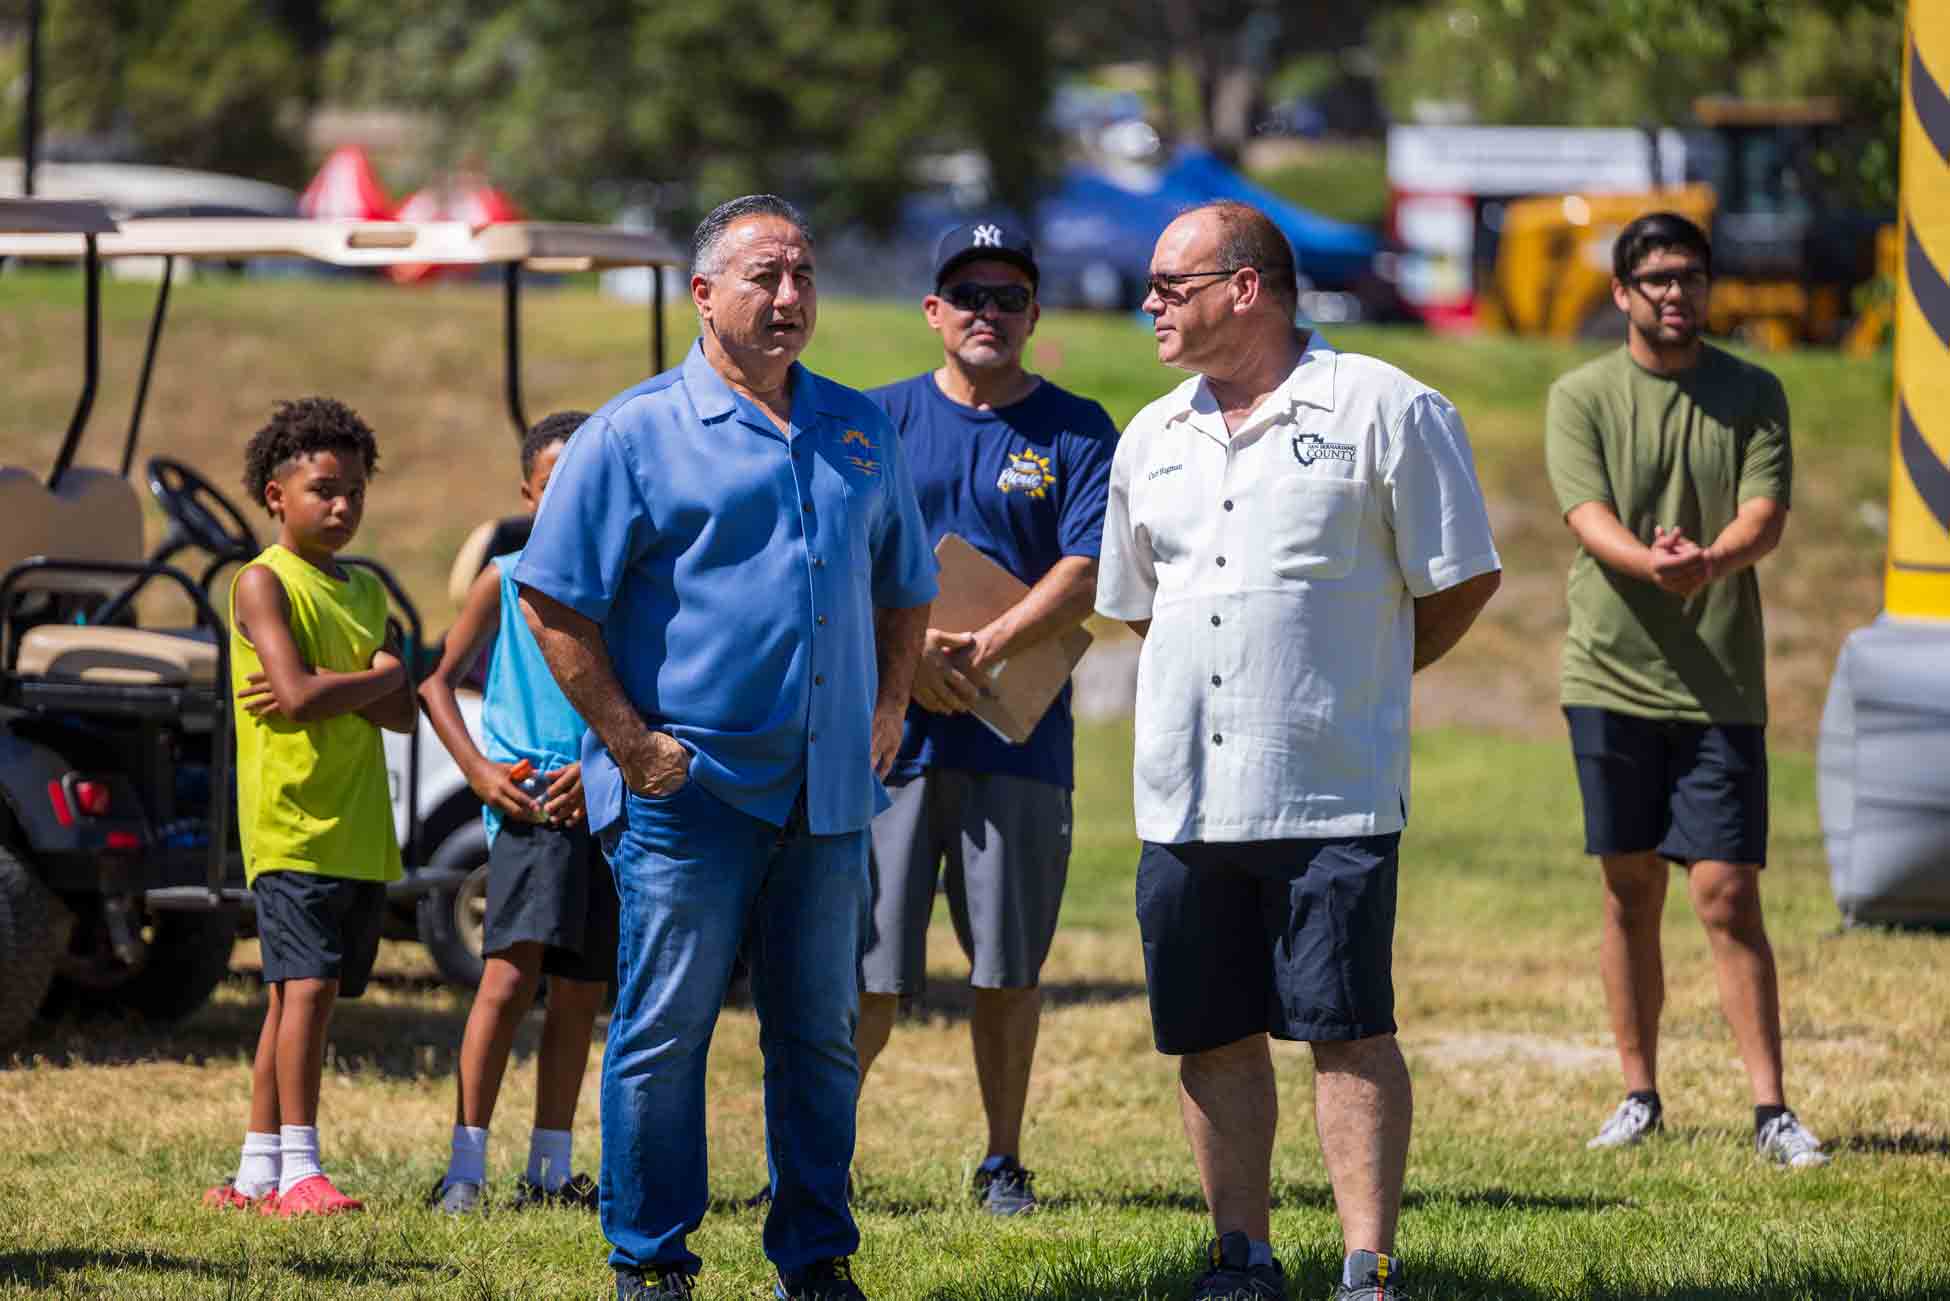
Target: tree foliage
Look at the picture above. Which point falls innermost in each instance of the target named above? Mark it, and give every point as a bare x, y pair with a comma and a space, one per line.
1645, 62
574, 102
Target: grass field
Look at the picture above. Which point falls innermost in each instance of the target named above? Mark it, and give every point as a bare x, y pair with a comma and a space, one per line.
108, 1134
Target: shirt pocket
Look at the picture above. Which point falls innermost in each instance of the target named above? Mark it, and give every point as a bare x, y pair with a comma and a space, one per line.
1315, 529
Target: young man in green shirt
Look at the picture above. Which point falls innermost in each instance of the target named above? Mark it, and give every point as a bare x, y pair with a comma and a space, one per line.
1671, 462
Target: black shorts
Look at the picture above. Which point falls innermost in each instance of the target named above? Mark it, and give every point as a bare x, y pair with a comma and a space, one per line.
552, 886
1292, 938
313, 927
1689, 791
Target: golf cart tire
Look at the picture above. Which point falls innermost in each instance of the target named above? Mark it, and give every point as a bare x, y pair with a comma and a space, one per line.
27, 949
453, 944
189, 956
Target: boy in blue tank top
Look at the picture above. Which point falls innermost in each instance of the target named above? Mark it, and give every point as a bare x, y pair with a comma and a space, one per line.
551, 905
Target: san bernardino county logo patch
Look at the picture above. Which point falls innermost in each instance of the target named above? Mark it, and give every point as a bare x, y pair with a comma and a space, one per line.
1308, 448
1028, 473
863, 463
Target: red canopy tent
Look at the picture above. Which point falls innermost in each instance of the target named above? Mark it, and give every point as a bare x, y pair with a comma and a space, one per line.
470, 199
346, 187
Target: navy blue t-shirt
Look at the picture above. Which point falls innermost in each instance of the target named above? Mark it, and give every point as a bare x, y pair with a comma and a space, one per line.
1025, 485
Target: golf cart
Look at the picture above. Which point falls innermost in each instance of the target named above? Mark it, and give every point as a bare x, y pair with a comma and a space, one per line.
121, 883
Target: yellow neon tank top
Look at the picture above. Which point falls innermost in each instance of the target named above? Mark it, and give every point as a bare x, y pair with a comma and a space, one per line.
313, 797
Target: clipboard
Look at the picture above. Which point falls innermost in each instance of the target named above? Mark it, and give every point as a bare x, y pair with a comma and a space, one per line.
1021, 688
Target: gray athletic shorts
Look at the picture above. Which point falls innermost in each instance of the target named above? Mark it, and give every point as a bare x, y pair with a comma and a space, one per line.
1006, 841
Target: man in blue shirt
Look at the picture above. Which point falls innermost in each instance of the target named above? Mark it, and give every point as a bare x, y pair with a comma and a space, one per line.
1020, 469
730, 579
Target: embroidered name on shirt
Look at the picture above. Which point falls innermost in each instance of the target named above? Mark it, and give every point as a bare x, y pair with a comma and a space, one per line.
1028, 472
1308, 448
1163, 470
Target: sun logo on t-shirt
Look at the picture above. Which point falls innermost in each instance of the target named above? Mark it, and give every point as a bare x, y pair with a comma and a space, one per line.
1028, 472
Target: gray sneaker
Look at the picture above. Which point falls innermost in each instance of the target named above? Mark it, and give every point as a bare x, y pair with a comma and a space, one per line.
1787, 1141
1005, 1187
1377, 1278
458, 1197
1228, 1276
653, 1285
1635, 1121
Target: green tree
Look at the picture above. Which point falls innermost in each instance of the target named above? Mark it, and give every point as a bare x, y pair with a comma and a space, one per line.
572, 103
1633, 62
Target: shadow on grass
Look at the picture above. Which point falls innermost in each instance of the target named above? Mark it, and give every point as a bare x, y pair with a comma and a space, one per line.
46, 1268
1907, 1143
1318, 1276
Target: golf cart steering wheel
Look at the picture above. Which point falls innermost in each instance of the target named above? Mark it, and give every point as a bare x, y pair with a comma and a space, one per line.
198, 514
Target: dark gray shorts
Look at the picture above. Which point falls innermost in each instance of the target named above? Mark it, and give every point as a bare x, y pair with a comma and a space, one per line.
552, 886
1006, 841
313, 927
1292, 938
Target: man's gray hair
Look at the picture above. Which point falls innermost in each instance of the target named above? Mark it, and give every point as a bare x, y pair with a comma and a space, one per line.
707, 243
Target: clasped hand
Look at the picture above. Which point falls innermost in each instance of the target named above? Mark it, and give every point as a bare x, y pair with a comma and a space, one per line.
949, 677
1679, 565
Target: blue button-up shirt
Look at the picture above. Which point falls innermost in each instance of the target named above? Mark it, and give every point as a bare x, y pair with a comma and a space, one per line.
735, 571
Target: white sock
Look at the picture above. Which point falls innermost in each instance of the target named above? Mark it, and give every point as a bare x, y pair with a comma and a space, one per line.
468, 1164
298, 1151
549, 1153
1258, 1254
257, 1171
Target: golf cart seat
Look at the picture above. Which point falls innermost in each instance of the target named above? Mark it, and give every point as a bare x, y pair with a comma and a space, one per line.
490, 538
92, 517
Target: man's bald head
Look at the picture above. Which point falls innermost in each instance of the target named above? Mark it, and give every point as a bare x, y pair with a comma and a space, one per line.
1247, 237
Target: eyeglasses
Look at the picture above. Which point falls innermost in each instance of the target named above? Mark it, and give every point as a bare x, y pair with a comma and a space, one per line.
1657, 284
968, 296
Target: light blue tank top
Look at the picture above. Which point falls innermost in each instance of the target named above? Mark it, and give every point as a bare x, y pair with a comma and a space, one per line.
524, 714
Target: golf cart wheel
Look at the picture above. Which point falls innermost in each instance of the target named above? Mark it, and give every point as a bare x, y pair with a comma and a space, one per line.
26, 947
188, 957
454, 922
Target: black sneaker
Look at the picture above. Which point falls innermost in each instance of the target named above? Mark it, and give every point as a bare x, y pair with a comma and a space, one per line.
1004, 1186
1230, 1278
1377, 1278
579, 1193
653, 1285
824, 1280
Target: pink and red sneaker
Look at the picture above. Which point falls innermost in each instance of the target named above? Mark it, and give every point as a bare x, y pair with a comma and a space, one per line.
226, 1197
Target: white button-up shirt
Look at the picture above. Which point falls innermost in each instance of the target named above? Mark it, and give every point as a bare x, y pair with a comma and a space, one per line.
1278, 566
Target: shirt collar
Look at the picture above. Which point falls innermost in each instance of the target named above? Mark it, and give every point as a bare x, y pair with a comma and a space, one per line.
715, 399
1311, 381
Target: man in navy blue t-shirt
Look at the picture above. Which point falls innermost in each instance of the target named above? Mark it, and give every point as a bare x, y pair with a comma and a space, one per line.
1020, 469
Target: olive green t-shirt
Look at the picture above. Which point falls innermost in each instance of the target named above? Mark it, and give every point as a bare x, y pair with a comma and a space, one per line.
1679, 450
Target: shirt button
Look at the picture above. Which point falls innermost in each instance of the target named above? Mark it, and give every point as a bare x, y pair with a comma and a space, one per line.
1228, 505
807, 508
812, 736
1215, 679
819, 679
818, 563
1217, 739
1222, 562
1215, 621
821, 620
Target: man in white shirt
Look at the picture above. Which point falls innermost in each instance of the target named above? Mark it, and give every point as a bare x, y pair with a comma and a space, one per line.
1293, 531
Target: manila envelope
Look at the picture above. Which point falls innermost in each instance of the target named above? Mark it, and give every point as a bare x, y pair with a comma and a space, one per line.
1021, 688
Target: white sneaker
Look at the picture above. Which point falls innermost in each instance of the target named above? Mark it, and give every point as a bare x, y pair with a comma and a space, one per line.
1786, 1140
1633, 1122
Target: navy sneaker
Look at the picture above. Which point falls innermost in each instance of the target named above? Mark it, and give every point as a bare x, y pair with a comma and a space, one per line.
1230, 1278
1004, 1186
823, 1280
455, 1196
1376, 1278
654, 1285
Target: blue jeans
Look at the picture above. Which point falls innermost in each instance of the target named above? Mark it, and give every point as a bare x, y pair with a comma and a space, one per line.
695, 877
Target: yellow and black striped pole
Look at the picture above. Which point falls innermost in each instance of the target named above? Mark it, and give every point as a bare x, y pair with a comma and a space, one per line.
1917, 582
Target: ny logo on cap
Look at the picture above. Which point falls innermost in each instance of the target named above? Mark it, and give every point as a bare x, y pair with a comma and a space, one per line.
986, 236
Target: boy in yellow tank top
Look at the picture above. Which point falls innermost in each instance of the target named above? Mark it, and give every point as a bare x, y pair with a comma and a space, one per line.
315, 681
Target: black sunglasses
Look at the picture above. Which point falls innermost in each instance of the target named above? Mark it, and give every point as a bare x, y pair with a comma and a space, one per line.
969, 296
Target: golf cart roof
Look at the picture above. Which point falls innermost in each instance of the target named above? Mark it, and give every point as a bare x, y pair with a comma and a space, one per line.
538, 246
73, 218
